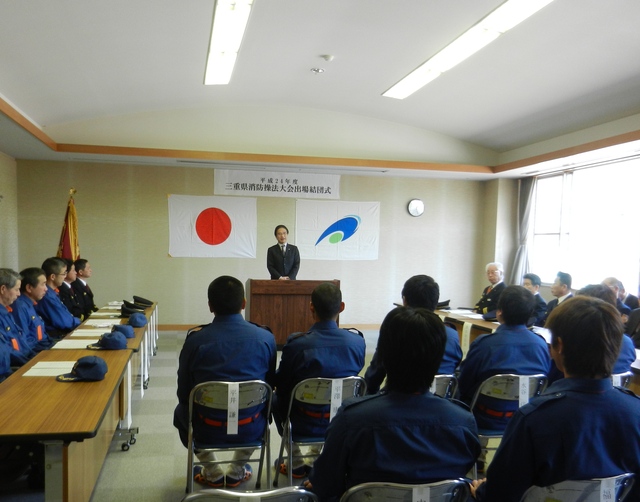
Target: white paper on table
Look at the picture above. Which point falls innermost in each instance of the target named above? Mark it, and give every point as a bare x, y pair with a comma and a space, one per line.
50, 368
101, 323
87, 333
71, 344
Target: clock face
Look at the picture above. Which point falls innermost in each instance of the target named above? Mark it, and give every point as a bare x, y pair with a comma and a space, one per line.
415, 207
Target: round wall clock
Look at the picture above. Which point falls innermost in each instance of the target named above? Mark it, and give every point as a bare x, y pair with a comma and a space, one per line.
415, 207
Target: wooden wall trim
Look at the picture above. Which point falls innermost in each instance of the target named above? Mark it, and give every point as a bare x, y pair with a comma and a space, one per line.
26, 124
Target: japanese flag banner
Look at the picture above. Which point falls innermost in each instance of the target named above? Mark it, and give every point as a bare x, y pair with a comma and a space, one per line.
212, 227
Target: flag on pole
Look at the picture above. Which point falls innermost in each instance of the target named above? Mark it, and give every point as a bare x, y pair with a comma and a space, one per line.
68, 247
212, 226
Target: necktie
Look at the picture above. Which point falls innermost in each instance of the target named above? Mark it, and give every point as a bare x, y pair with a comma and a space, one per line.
282, 247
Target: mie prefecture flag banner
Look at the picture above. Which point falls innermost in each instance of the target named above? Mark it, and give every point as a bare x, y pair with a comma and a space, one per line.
336, 230
218, 227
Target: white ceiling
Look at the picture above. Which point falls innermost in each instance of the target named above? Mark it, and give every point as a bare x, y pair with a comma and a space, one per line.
80, 69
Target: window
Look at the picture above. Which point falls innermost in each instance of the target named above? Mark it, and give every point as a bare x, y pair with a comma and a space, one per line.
587, 223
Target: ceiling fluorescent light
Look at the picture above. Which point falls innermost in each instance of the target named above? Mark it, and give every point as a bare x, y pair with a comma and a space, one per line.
505, 17
229, 22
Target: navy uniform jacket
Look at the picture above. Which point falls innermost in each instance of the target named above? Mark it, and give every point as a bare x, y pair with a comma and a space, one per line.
394, 437
84, 296
69, 299
631, 301
12, 338
57, 319
489, 300
286, 265
511, 349
578, 429
375, 374
32, 327
554, 303
539, 312
324, 351
229, 349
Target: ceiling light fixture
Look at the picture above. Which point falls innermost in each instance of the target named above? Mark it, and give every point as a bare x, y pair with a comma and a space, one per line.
229, 22
505, 17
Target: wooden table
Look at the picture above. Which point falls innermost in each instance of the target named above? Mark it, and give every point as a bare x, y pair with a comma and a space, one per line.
75, 421
468, 329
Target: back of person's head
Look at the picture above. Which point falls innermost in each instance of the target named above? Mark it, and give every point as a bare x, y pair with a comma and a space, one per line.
591, 333
80, 264
421, 291
411, 346
564, 278
599, 291
226, 295
30, 276
327, 301
53, 266
534, 278
8, 277
516, 304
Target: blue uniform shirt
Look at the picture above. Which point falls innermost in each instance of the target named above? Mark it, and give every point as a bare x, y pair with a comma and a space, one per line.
56, 317
12, 338
229, 349
511, 349
324, 351
578, 429
30, 323
375, 374
394, 437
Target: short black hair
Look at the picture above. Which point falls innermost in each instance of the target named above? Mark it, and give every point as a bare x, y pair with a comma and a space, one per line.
53, 265
591, 332
564, 279
601, 291
30, 276
80, 263
275, 232
534, 278
226, 295
421, 291
517, 304
411, 346
326, 299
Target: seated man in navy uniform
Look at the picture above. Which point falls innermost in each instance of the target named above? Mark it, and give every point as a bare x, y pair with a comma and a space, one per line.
82, 289
581, 427
229, 349
323, 351
488, 302
420, 291
511, 349
14, 342
532, 282
57, 318
32, 288
404, 434
68, 295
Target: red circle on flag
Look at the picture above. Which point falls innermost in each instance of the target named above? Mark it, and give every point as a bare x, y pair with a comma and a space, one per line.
213, 226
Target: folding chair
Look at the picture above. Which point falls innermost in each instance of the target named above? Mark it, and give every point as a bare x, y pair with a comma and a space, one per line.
613, 489
286, 494
451, 490
508, 387
232, 397
444, 386
622, 379
316, 391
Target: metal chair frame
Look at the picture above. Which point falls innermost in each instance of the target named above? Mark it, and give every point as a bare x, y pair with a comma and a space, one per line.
215, 395
444, 386
315, 391
613, 489
622, 379
286, 494
509, 387
450, 490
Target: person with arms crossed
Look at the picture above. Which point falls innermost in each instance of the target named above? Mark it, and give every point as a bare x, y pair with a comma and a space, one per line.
283, 259
324, 351
229, 349
403, 434
419, 291
581, 427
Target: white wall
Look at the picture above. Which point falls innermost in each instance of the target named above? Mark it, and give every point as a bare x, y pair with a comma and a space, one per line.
8, 213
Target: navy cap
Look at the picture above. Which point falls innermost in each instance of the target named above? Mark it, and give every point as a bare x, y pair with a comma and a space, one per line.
86, 369
142, 301
125, 329
110, 341
137, 320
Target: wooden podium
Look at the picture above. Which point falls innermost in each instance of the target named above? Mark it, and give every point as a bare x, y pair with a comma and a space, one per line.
281, 305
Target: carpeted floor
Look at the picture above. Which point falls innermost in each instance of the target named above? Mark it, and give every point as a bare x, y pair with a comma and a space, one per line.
154, 468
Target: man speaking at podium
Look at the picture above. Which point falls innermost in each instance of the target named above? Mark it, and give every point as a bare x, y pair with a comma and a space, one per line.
283, 259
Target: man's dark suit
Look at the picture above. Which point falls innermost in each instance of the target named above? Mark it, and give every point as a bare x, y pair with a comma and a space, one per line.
489, 300
539, 312
84, 296
286, 265
631, 301
554, 303
69, 299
